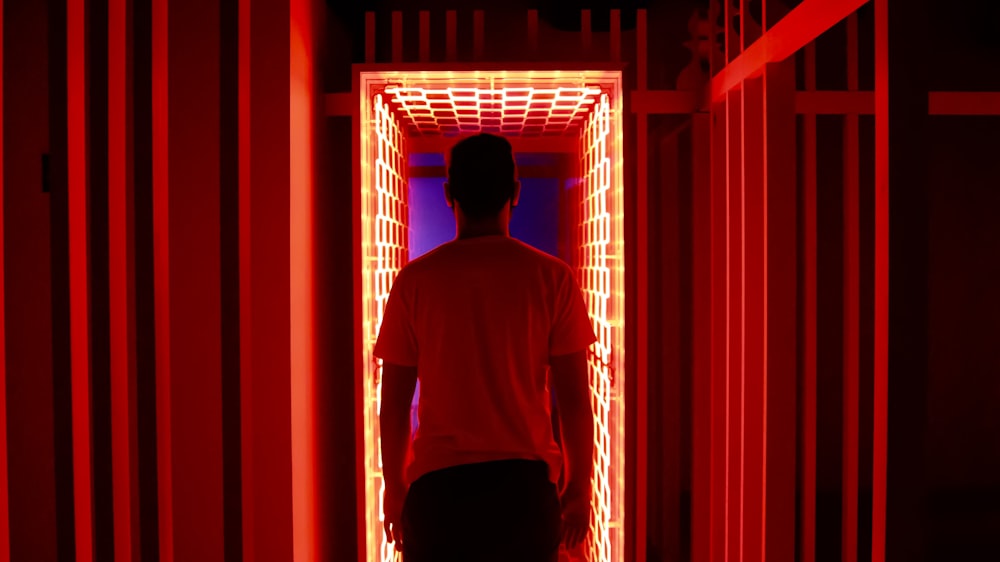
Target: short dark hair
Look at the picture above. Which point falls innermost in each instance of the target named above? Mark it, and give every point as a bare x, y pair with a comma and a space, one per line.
482, 175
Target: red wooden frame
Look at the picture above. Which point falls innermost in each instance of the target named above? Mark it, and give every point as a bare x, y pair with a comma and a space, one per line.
301, 181
881, 358
851, 310
4, 503
79, 254
807, 551
161, 281
122, 378
245, 266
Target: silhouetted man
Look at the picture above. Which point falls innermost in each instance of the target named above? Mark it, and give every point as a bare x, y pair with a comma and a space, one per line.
489, 325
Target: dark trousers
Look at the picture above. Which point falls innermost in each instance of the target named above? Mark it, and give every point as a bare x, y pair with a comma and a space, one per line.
488, 512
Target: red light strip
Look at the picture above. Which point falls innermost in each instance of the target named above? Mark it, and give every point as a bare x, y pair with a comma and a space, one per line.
246, 302
596, 256
301, 135
799, 27
755, 325
810, 174
118, 236
78, 272
881, 366
524, 110
4, 503
386, 251
161, 279
701, 483
718, 341
852, 321
735, 375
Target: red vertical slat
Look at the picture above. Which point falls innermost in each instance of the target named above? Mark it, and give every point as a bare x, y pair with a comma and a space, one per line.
451, 35
533, 30
641, 64
79, 276
808, 456
425, 36
586, 30
4, 503
369, 37
616, 35
478, 34
881, 357
720, 327
301, 280
851, 326
246, 317
121, 379
161, 280
755, 322
642, 316
780, 339
397, 36
701, 414
735, 333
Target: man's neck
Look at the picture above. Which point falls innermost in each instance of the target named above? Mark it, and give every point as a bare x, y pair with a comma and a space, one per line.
492, 226
477, 229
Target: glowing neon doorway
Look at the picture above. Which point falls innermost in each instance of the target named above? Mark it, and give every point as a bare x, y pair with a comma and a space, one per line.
574, 111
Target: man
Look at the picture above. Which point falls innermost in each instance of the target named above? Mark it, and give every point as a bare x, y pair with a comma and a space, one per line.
489, 325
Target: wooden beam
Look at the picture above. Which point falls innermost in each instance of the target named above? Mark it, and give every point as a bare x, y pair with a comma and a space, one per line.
826, 102
964, 103
801, 26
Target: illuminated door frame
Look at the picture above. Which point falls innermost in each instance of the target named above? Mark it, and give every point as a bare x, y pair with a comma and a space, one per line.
600, 264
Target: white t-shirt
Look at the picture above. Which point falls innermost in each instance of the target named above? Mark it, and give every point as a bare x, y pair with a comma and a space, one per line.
479, 318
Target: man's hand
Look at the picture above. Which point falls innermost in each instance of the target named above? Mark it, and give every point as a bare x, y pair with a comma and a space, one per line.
575, 503
392, 504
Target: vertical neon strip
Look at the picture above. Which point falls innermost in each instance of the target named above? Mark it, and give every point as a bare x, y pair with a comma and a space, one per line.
79, 274
600, 253
301, 280
451, 35
478, 34
369, 37
881, 367
851, 343
616, 36
586, 31
701, 463
425, 36
118, 281
808, 460
246, 302
387, 252
755, 316
641, 402
397, 36
735, 327
718, 339
533, 30
4, 503
161, 279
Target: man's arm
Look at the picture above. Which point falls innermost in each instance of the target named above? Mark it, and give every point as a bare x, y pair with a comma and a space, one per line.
398, 383
569, 379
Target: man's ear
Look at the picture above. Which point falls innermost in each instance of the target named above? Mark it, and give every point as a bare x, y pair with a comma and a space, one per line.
517, 194
447, 196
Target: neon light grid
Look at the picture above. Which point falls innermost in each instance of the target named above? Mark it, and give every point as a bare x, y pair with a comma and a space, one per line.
599, 270
518, 111
386, 251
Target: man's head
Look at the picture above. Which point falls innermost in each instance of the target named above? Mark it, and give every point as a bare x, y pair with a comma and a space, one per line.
481, 176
